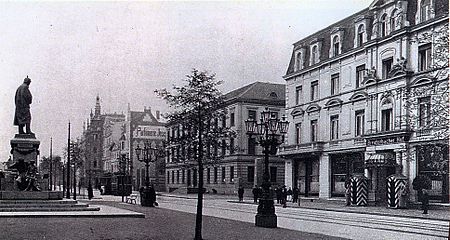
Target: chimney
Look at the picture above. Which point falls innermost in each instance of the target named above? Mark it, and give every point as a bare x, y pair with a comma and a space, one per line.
157, 114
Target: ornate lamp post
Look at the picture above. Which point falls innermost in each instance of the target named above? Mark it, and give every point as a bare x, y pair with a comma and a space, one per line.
146, 155
270, 134
123, 160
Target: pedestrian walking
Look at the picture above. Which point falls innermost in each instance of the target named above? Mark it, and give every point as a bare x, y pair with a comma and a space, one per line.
295, 193
241, 193
255, 192
425, 201
289, 194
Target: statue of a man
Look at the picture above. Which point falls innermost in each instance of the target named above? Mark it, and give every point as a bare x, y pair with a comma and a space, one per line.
23, 100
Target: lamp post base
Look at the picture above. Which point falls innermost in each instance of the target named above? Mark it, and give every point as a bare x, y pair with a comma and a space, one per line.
266, 220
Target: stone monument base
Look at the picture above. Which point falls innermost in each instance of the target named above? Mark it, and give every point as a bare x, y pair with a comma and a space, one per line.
30, 195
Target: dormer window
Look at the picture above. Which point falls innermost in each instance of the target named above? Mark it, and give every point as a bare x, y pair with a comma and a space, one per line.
425, 8
384, 26
392, 20
314, 55
299, 59
335, 46
360, 36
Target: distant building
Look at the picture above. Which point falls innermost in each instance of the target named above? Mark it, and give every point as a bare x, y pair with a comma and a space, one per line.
242, 164
144, 127
368, 96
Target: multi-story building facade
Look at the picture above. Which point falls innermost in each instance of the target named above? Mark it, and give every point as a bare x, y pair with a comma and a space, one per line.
114, 130
142, 127
240, 164
93, 146
368, 95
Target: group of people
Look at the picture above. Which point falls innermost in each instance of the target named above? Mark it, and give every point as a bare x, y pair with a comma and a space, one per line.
285, 195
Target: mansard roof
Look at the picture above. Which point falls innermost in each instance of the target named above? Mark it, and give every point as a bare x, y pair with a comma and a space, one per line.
348, 25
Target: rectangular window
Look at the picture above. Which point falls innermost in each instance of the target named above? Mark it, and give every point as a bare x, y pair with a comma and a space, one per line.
173, 177
223, 174
224, 147
250, 174
387, 66
334, 127
424, 111
231, 119
231, 173
359, 123
215, 174
386, 120
251, 146
182, 176
188, 173
231, 145
314, 90
298, 95
194, 176
360, 70
208, 175
273, 174
178, 176
425, 57
298, 133
224, 121
252, 114
334, 84
168, 177
314, 130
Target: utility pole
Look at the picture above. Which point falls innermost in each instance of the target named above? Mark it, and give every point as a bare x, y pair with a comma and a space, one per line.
74, 151
68, 165
51, 164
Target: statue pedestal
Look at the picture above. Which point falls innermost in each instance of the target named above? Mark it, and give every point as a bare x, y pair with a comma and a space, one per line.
25, 147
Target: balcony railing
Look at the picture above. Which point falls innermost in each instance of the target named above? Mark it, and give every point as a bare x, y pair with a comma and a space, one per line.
304, 147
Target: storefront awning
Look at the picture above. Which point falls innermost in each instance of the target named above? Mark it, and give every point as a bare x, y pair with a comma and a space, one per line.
379, 160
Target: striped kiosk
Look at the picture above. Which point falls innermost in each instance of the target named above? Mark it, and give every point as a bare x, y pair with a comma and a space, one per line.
396, 191
359, 190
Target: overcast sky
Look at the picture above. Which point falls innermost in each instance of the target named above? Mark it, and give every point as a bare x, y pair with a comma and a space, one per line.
123, 51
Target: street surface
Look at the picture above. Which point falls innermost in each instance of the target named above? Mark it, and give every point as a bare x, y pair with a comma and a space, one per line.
339, 224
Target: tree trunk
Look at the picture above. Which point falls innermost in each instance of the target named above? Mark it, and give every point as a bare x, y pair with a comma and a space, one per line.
198, 218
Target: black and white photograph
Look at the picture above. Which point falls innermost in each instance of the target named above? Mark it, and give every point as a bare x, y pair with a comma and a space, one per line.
234, 120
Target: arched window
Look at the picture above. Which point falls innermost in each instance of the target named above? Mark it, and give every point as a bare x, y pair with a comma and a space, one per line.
360, 36
384, 30
392, 20
335, 46
298, 62
314, 55
387, 115
425, 10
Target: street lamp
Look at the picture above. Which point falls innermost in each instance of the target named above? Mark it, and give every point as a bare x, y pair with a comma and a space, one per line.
269, 130
146, 155
123, 159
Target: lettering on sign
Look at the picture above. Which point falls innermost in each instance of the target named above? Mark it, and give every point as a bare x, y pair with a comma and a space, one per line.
149, 132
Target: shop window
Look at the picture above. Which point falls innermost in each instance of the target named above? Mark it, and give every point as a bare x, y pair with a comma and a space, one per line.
208, 175
178, 176
173, 177
194, 177
183, 177
223, 174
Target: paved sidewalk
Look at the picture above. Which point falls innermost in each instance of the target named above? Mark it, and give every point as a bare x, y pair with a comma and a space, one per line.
335, 205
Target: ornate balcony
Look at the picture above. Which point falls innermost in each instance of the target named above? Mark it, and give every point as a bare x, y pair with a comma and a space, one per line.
301, 148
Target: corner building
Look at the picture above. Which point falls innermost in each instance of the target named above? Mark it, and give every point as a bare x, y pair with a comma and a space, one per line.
368, 96
242, 164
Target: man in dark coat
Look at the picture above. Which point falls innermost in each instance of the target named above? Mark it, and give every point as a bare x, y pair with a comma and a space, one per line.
295, 193
425, 201
241, 194
23, 99
255, 192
